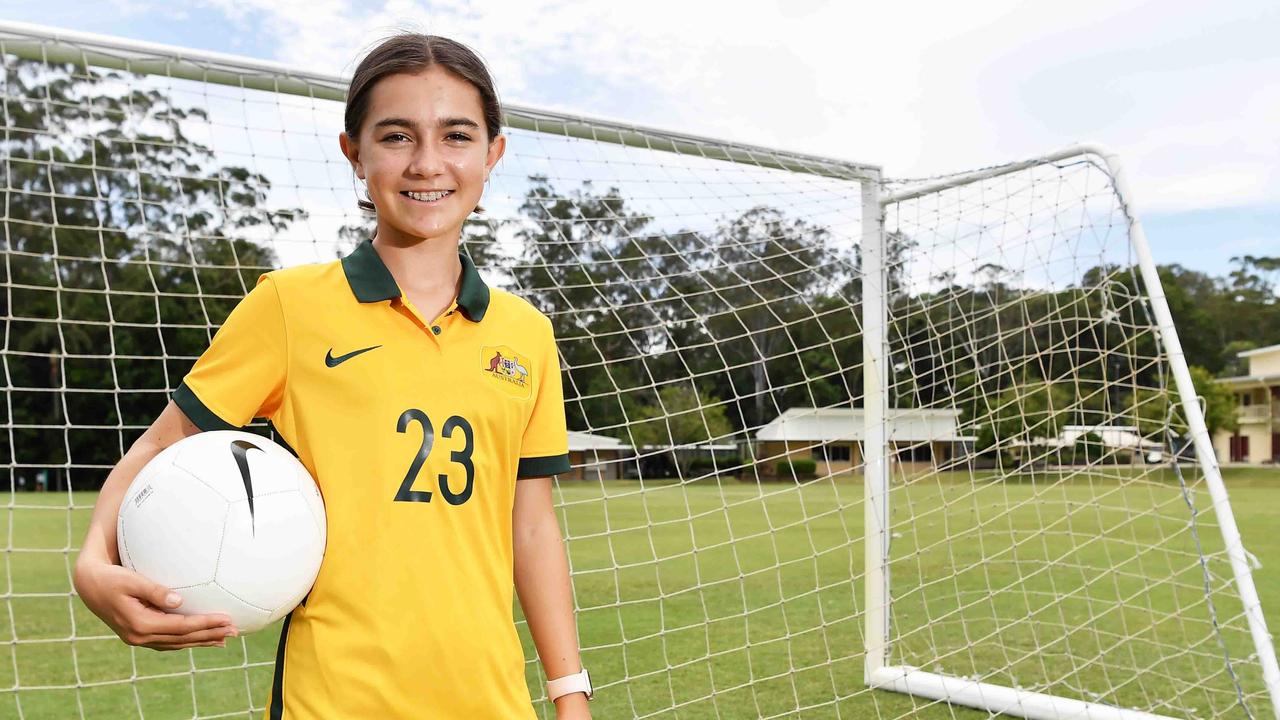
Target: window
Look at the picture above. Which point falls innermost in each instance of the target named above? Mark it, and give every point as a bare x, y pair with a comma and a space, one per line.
919, 452
832, 452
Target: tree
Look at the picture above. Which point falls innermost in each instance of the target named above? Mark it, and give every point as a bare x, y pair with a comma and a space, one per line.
682, 417
1158, 409
1219, 401
123, 235
764, 282
1029, 414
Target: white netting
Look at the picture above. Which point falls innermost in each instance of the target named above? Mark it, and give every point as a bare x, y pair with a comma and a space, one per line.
1072, 555
707, 301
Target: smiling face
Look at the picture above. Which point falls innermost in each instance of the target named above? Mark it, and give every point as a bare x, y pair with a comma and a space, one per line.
424, 154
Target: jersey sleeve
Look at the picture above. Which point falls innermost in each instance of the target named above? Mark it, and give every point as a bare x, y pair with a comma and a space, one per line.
544, 449
242, 374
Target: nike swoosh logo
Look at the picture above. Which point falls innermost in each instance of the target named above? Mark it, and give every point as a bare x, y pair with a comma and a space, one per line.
240, 450
332, 361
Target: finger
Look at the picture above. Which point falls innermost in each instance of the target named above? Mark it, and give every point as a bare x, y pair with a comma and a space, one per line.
154, 593
165, 647
149, 621
214, 635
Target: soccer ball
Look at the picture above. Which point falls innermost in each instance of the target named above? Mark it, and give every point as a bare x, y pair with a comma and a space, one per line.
230, 521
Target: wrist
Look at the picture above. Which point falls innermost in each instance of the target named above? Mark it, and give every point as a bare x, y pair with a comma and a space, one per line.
578, 683
574, 702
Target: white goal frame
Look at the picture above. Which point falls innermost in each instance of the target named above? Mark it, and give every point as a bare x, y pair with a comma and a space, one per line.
53, 45
972, 693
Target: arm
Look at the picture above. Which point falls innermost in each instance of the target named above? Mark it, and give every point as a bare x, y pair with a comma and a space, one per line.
542, 581
127, 602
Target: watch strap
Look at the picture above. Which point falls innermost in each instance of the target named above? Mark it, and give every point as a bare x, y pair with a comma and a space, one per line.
577, 682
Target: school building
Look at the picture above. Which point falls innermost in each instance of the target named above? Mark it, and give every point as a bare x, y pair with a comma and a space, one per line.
1256, 440
595, 457
920, 439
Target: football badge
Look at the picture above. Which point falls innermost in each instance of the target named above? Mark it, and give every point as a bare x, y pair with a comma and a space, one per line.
507, 367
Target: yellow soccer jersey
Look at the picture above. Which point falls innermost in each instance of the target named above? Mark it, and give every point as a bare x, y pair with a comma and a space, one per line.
416, 431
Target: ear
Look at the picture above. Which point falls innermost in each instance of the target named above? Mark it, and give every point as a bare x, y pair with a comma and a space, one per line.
497, 147
351, 149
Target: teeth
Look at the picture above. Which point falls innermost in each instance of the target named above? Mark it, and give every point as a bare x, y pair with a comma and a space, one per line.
429, 196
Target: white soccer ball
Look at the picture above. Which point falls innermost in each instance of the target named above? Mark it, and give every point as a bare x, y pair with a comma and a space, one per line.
230, 521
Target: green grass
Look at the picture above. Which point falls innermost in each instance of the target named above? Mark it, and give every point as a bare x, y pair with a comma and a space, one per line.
721, 599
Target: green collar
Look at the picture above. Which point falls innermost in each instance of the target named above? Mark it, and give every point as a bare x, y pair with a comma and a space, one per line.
371, 281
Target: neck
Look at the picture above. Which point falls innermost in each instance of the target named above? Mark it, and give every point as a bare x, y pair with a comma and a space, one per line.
420, 265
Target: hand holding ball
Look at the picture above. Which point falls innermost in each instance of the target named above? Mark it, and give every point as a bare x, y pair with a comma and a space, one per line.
230, 521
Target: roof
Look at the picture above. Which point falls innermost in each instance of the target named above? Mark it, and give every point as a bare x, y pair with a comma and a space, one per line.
687, 446
580, 441
806, 424
1249, 379
1114, 436
584, 441
1258, 351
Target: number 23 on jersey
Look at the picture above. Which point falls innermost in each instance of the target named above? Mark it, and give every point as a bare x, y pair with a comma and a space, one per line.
462, 457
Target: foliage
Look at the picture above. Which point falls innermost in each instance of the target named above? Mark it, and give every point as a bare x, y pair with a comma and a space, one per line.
681, 416
1219, 402
122, 233
798, 467
1087, 449
727, 463
759, 313
1027, 414
1155, 409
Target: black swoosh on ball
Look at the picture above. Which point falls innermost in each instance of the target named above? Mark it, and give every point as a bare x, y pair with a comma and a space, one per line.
332, 361
240, 450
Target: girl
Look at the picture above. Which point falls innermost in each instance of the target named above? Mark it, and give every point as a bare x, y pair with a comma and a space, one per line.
427, 406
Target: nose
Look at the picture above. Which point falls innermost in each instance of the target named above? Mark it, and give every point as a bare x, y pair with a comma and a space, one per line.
427, 161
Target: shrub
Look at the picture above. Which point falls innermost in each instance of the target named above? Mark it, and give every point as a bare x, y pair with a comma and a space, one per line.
801, 467
698, 466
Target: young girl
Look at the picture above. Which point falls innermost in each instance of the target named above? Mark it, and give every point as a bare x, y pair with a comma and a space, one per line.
427, 406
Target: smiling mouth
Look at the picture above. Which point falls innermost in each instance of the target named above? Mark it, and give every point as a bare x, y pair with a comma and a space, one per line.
427, 197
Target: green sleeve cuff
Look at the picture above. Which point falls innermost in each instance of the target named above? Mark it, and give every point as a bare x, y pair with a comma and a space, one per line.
542, 466
196, 411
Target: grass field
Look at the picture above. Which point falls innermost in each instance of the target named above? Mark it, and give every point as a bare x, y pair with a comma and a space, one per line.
732, 600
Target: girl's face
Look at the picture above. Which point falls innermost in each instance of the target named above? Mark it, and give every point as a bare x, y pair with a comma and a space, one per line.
424, 154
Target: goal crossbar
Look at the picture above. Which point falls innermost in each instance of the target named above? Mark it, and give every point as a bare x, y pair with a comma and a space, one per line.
55, 45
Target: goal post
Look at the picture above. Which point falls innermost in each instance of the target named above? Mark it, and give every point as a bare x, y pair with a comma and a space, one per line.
843, 445
973, 692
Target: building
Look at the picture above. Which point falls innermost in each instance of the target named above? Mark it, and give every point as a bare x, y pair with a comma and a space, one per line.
1122, 440
832, 437
595, 457
1257, 439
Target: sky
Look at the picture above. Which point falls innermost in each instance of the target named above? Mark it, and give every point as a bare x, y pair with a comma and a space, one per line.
1186, 92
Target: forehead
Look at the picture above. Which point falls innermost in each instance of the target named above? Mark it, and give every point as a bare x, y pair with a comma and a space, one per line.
431, 93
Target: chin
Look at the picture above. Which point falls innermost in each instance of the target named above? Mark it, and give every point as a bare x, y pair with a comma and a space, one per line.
428, 232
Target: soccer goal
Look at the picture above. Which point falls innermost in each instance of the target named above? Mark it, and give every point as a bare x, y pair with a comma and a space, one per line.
843, 445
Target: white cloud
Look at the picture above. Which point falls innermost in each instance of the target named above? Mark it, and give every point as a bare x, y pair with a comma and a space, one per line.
1184, 90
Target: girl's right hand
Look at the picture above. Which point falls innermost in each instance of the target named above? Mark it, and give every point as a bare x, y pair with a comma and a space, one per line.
138, 610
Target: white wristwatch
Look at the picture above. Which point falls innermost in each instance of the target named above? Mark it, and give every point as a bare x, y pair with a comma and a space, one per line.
577, 682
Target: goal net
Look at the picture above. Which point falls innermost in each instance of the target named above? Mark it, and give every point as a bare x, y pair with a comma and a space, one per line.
841, 446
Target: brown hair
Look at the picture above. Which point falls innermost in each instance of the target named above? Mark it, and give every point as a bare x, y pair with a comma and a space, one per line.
413, 53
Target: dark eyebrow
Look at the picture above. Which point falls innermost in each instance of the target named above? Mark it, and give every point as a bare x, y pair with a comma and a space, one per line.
444, 123
459, 121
